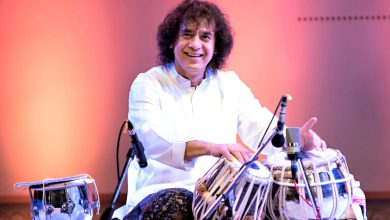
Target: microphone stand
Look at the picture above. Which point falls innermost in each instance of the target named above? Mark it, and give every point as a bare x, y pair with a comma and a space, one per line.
107, 214
307, 185
232, 184
227, 194
295, 155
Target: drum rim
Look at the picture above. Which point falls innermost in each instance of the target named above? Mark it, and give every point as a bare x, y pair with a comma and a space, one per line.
338, 156
61, 185
262, 173
50, 181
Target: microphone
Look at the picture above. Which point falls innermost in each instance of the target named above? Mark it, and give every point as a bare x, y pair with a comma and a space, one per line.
293, 149
137, 146
278, 140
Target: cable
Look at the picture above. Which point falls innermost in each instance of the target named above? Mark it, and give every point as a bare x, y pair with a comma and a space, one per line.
117, 149
265, 133
305, 200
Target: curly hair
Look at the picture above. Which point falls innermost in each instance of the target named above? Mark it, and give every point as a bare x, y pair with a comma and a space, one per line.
195, 11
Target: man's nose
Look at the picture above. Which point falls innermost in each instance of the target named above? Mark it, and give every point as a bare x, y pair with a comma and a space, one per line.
195, 42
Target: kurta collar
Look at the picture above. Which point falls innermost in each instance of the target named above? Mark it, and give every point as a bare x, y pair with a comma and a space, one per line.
183, 81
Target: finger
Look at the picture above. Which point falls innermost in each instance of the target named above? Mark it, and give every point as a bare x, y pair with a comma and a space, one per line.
229, 156
238, 156
316, 140
226, 153
323, 145
246, 152
250, 150
309, 124
247, 156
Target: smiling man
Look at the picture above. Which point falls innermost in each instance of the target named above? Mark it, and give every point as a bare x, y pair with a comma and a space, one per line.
193, 50
187, 112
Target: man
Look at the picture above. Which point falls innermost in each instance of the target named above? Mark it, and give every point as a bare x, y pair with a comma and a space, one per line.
187, 113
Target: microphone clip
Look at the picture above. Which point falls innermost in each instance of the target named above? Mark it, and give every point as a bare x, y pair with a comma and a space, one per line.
278, 140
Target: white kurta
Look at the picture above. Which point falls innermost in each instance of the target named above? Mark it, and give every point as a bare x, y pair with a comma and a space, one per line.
167, 112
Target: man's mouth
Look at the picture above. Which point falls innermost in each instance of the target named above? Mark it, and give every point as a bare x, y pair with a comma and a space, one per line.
193, 55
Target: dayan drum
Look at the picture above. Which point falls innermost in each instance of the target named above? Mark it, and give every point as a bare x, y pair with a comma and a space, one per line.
328, 176
248, 198
64, 198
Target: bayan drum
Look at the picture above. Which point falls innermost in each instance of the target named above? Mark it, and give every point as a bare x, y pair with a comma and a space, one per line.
248, 197
329, 179
64, 198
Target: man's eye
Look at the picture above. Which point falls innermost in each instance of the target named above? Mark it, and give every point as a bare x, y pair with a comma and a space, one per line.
207, 37
186, 34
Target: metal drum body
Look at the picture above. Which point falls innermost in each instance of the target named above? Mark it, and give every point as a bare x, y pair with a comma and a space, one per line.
249, 195
73, 198
328, 176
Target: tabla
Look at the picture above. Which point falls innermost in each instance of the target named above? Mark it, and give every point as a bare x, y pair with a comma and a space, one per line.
328, 176
73, 197
250, 193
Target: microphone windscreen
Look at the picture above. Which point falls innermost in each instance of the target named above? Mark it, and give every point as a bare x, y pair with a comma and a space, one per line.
278, 140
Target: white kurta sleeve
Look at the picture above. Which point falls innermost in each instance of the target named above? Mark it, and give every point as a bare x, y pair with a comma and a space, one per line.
145, 114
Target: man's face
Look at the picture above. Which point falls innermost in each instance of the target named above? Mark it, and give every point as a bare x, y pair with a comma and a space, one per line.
193, 49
